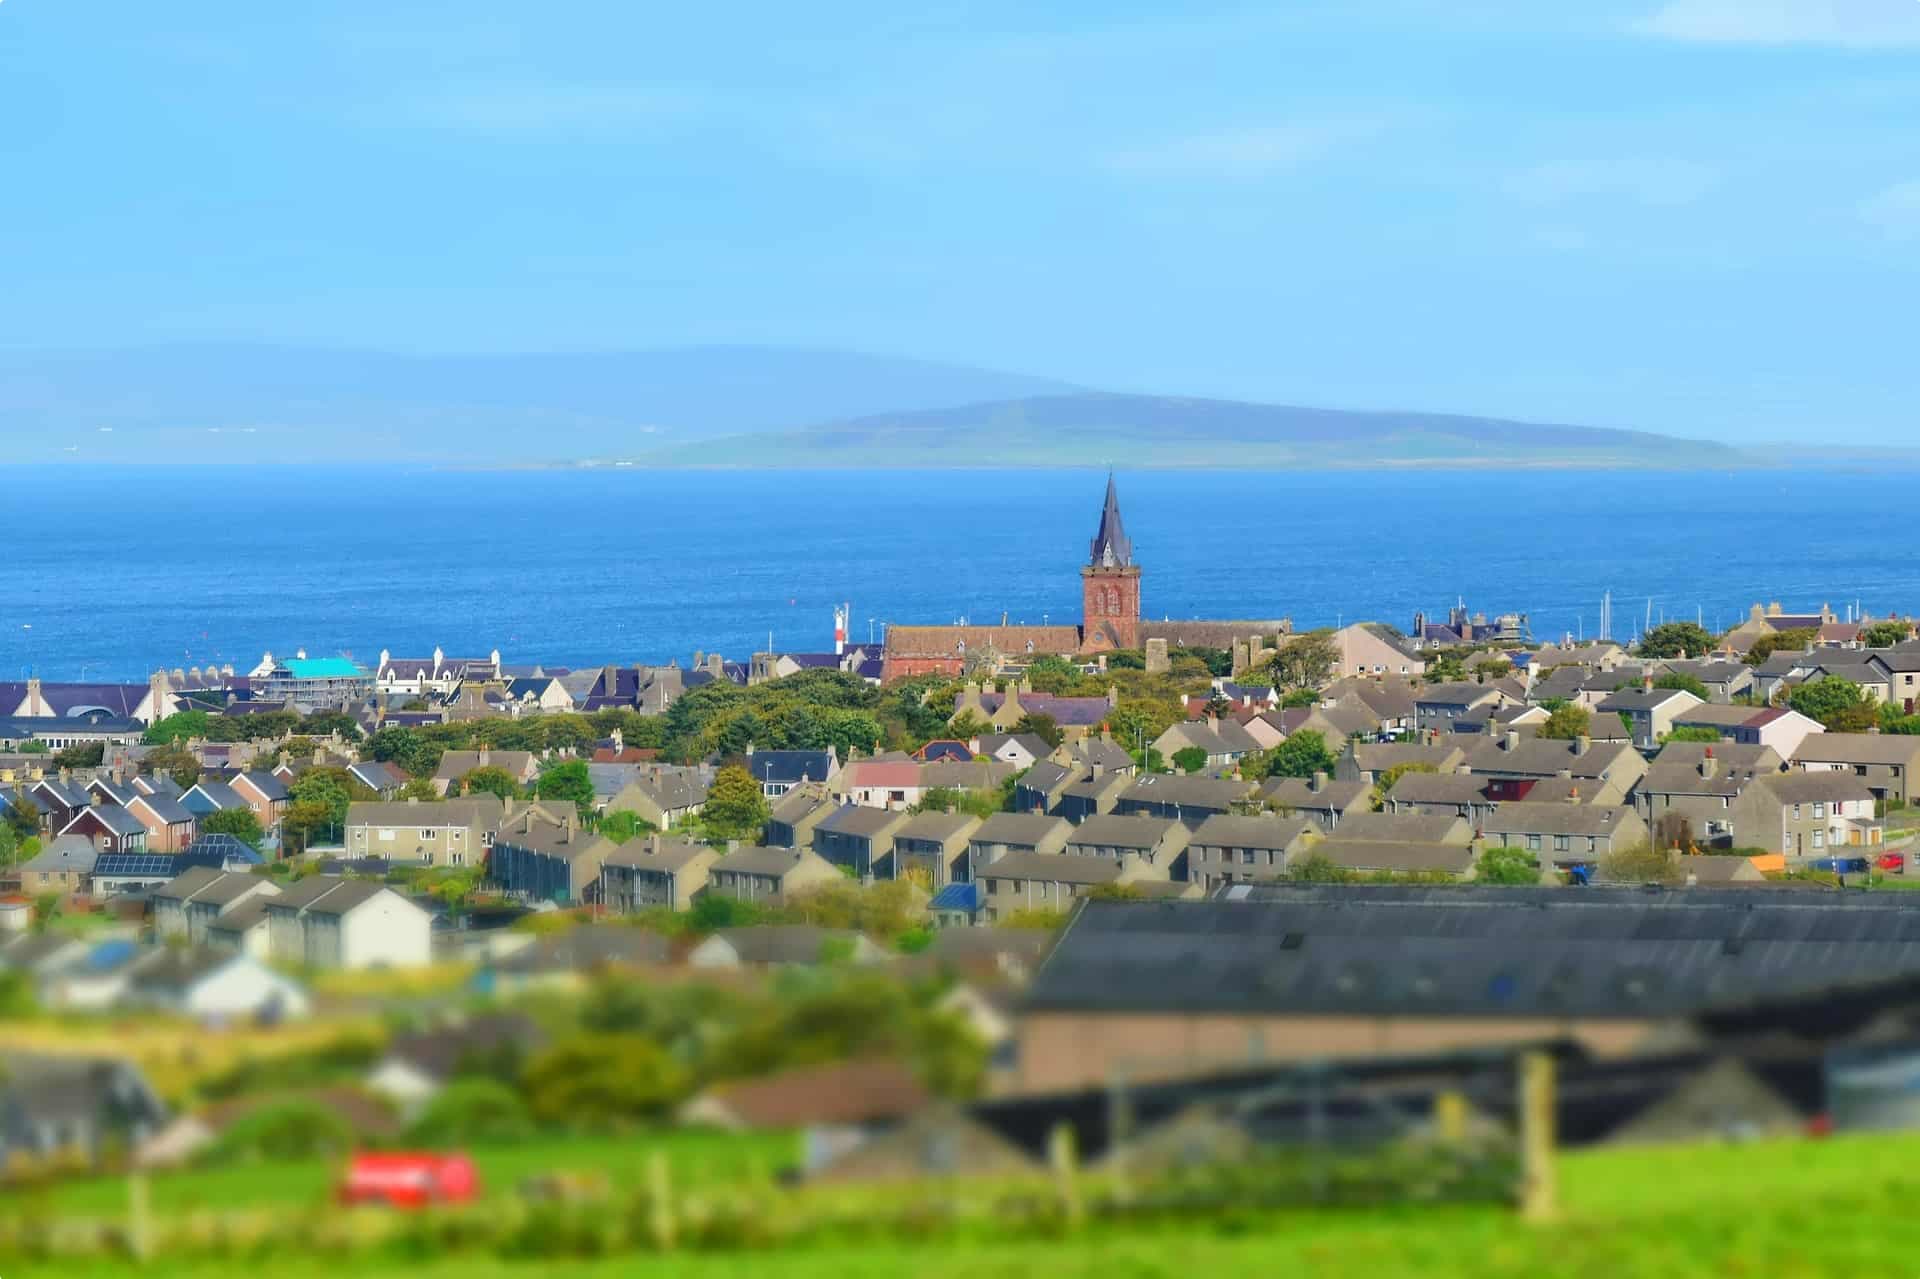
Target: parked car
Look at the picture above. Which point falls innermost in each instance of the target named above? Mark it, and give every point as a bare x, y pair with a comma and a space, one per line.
401, 1179
1840, 865
1892, 863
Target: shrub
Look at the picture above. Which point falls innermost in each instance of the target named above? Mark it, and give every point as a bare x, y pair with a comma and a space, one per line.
473, 1112
283, 1131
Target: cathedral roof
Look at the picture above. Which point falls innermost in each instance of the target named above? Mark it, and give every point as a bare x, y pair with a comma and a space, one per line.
1111, 547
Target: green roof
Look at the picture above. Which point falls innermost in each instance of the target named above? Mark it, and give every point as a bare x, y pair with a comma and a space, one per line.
323, 668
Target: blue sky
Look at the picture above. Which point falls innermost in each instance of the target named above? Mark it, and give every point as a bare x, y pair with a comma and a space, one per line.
1700, 216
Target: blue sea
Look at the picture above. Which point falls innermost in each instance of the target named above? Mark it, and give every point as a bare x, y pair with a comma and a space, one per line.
109, 573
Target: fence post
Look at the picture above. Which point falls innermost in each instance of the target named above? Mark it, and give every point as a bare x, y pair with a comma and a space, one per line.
660, 1201
1119, 1134
1539, 1200
1061, 1154
1450, 1118
139, 1217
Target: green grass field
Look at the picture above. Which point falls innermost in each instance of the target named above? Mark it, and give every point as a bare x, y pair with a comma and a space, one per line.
1778, 1210
695, 1158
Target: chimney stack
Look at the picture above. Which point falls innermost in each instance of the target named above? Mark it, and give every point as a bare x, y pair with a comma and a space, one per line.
1646, 681
1319, 782
1582, 744
1511, 741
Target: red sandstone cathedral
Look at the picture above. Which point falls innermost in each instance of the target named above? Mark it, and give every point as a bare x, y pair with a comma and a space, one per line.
1109, 612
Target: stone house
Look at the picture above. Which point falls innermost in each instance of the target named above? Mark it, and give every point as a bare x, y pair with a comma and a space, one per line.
64, 866
857, 838
796, 813
1454, 794
1158, 843
1882, 762
1371, 649
1325, 801
659, 794
538, 858
769, 875
1222, 741
1006, 833
1051, 881
1097, 793
1807, 814
453, 832
935, 843
1369, 761
1702, 788
651, 872
1652, 710
522, 766
1230, 849
1184, 799
1565, 834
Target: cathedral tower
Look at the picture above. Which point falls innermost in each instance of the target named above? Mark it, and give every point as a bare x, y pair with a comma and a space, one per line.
1110, 585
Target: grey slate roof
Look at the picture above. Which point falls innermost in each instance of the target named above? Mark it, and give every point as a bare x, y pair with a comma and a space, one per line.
1268, 830
74, 853
1421, 828
1122, 831
1017, 828
1053, 868
937, 827
1555, 819
1398, 855
1857, 748
1472, 951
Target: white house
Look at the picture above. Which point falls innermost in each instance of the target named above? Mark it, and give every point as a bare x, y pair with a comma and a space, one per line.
187, 905
329, 922
212, 985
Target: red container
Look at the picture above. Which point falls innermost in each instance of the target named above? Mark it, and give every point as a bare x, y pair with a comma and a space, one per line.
408, 1179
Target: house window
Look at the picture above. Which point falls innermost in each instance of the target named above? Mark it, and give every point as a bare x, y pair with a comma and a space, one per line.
1820, 810
1819, 838
1533, 843
1560, 843
456, 859
386, 834
1796, 812
428, 833
1246, 857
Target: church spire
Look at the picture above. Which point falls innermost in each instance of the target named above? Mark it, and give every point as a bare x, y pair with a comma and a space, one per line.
1111, 546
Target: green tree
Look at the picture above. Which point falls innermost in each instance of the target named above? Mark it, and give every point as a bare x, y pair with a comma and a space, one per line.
1394, 774
410, 750
1302, 755
420, 790
1639, 864
237, 822
1685, 683
1840, 705
490, 780
1297, 697
966, 726
1885, 634
601, 1081
1318, 868
1507, 866
1190, 759
1673, 639
304, 823
282, 1132
81, 755
1041, 726
1445, 667
177, 727
1791, 641
714, 912
1567, 721
1693, 733
621, 825
1305, 661
21, 816
735, 807
330, 789
568, 782
174, 761
469, 1112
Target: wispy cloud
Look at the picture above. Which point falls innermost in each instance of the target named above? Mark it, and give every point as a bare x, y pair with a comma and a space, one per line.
1896, 210
1846, 23
1243, 154
1655, 183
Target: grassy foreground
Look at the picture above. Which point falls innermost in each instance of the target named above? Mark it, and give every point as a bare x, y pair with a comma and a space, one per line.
696, 1158
1779, 1209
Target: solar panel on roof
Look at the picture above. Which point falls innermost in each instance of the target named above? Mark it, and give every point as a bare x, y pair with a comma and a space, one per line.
112, 864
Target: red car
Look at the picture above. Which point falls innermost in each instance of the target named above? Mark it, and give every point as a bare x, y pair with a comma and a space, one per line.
1892, 863
402, 1179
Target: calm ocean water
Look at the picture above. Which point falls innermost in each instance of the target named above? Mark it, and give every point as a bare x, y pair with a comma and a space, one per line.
142, 568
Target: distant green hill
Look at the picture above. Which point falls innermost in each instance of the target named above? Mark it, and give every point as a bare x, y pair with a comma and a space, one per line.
1150, 430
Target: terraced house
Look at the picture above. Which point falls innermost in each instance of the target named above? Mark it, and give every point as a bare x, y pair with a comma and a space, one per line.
1243, 850
652, 872
539, 858
454, 832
